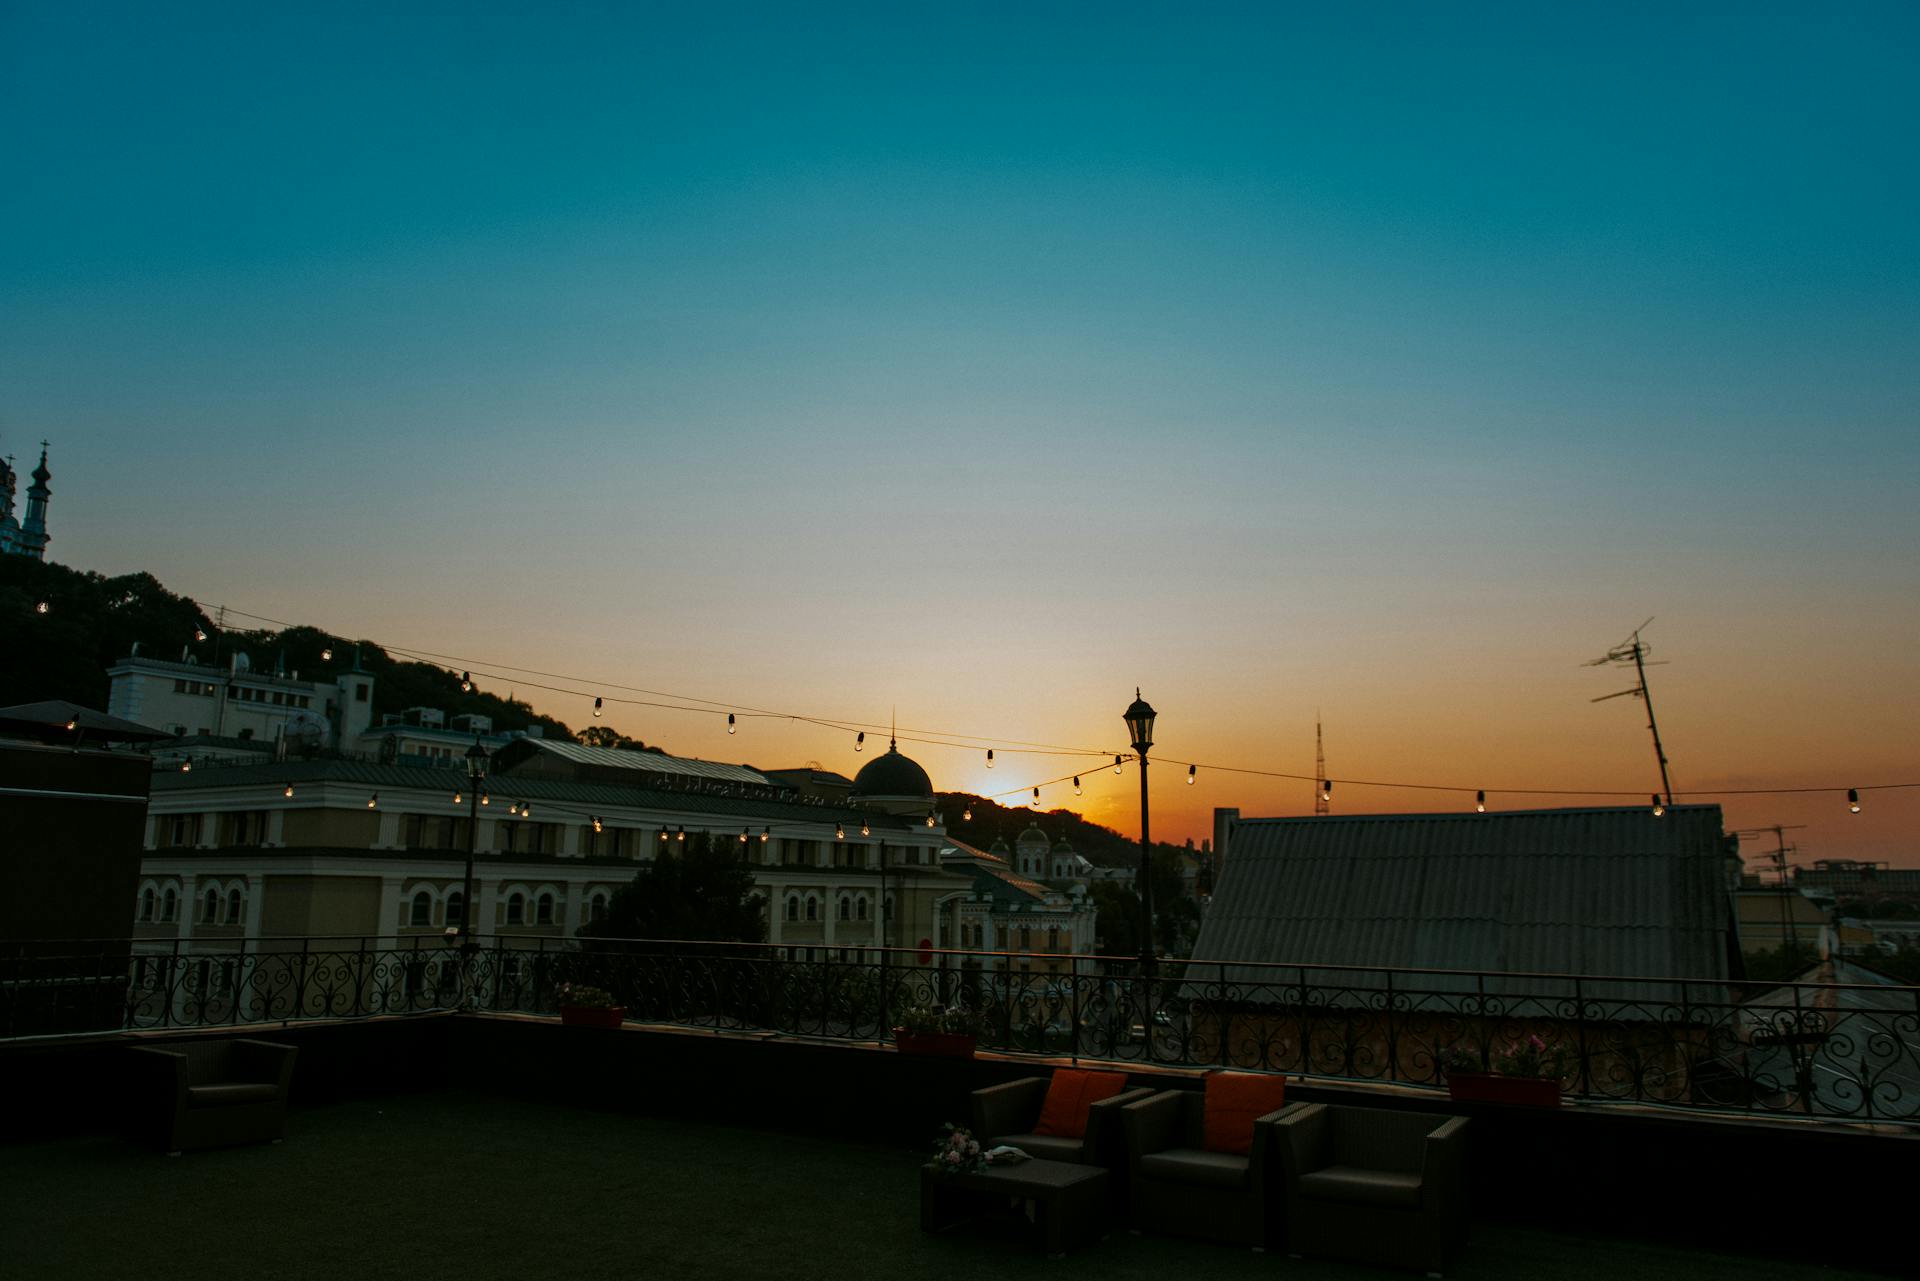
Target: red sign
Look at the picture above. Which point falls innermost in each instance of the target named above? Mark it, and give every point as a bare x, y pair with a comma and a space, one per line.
926, 951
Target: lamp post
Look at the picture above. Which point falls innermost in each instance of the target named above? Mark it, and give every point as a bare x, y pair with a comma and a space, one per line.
476, 776
1139, 717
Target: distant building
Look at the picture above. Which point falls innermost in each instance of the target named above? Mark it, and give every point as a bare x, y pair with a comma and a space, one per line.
25, 536
1007, 910
1769, 916
239, 703
1846, 878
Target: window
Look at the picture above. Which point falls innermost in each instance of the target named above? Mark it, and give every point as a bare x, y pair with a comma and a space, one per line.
597, 908
147, 900
860, 907
170, 905
422, 913
813, 909
210, 908
235, 907
516, 909
793, 907
456, 908
543, 910
846, 908
360, 693
180, 829
1053, 938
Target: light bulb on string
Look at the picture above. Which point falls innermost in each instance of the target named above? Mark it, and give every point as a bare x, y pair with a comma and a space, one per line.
526, 809
864, 829
597, 705
596, 824
839, 832
456, 796
663, 833
486, 799
513, 807
730, 724
766, 834
860, 741
186, 766
1853, 800
1076, 785
288, 793
373, 801
680, 835
326, 654
1116, 764
199, 634
743, 836
73, 722
1036, 798
966, 815
1191, 769
1326, 789
1480, 803
989, 758
466, 682
1659, 807
40, 607
929, 820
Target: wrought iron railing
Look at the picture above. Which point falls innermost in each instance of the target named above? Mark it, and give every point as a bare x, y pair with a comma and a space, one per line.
1835, 1052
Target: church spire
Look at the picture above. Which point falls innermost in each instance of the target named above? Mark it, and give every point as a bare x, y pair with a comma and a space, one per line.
33, 528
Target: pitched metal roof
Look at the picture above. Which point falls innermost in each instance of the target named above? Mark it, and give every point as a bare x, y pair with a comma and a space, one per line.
646, 762
1613, 892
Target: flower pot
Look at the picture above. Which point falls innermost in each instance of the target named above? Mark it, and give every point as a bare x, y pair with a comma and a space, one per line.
1490, 1087
952, 1045
587, 1016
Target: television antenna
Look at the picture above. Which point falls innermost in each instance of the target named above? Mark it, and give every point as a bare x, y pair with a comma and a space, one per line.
1634, 650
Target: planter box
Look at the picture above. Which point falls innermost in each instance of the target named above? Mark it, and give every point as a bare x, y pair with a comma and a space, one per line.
1489, 1087
952, 1045
582, 1016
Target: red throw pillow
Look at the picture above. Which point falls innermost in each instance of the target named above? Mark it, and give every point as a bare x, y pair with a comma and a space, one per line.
1069, 1096
1235, 1100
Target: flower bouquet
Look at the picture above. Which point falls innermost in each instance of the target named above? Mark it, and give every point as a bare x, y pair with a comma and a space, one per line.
584, 1006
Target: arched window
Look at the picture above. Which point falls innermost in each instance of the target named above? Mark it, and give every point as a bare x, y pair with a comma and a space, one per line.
170, 905
210, 908
1053, 938
234, 907
860, 907
813, 909
846, 908
597, 908
422, 909
793, 907
147, 898
516, 908
543, 910
456, 908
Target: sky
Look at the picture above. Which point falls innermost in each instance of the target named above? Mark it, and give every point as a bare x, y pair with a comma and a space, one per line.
978, 364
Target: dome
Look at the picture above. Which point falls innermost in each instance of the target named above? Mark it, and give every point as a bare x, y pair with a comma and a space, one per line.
1032, 836
893, 775
1063, 846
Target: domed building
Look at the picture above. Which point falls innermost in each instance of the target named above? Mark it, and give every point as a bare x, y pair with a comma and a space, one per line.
1035, 856
893, 784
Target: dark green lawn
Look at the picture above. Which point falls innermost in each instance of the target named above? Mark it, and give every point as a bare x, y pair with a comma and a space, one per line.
462, 1186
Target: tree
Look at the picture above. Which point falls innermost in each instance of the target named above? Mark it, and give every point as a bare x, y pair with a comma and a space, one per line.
702, 892
1176, 917
608, 736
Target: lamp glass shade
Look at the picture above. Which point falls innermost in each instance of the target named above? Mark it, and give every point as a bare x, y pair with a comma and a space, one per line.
1139, 718
476, 761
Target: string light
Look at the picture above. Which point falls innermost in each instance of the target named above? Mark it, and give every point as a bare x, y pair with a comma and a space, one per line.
486, 798
1659, 807
966, 815
929, 820
1853, 800
864, 829
288, 793
1036, 798
73, 722
1116, 764
663, 833
1326, 789
373, 801
186, 766
743, 836
466, 682
326, 654
839, 832
1480, 803
526, 809
860, 741
1076, 785
456, 797
989, 758
596, 824
730, 725
766, 834
513, 807
199, 634
1191, 771
40, 607
680, 835
597, 705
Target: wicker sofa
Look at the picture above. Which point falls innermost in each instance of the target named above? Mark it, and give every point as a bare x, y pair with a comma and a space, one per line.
1176, 1185
211, 1093
1374, 1184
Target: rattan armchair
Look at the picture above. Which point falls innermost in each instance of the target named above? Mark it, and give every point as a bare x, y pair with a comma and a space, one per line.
1376, 1185
1176, 1185
211, 1093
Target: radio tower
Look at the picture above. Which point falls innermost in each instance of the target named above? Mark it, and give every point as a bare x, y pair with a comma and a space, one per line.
1634, 650
1321, 804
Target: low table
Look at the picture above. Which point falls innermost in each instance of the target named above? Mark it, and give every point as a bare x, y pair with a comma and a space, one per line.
1072, 1199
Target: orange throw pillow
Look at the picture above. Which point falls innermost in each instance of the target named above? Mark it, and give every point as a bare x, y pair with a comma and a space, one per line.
1235, 1100
1069, 1096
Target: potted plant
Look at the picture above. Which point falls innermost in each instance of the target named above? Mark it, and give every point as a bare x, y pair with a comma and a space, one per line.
930, 1029
1526, 1072
583, 1006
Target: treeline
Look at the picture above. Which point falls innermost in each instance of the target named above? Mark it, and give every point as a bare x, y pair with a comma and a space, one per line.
1099, 845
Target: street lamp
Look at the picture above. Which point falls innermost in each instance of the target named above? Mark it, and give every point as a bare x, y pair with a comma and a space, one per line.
1139, 717
476, 775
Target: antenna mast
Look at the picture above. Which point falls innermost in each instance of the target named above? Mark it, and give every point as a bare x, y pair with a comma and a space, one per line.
1634, 650
1321, 805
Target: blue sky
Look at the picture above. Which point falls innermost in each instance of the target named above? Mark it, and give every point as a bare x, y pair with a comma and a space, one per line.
922, 354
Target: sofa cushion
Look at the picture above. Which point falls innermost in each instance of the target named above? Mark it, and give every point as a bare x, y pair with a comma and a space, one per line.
1234, 1101
1195, 1165
1048, 1147
230, 1095
1070, 1094
1363, 1187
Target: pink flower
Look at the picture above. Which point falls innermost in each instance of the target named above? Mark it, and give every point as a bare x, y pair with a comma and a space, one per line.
953, 1158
